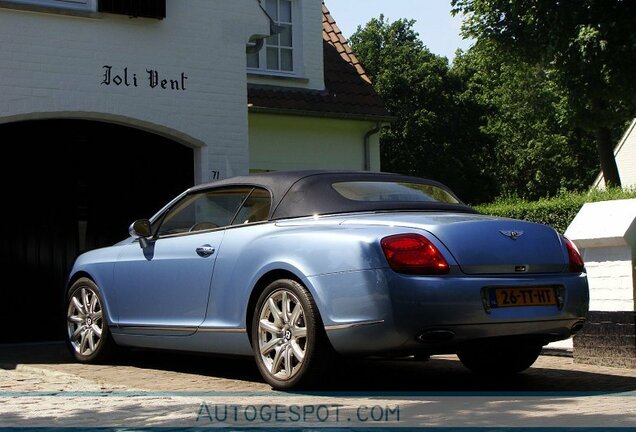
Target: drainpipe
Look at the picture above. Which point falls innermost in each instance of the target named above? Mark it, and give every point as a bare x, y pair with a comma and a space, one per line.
255, 44
367, 145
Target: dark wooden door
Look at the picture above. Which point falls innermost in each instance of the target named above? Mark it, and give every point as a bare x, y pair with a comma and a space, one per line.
69, 186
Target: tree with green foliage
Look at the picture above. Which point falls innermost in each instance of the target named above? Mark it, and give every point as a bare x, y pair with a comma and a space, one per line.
588, 45
434, 134
526, 117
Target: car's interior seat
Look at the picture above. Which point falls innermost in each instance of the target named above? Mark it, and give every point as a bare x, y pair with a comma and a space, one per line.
259, 212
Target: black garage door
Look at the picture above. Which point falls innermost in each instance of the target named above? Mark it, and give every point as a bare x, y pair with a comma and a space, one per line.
69, 186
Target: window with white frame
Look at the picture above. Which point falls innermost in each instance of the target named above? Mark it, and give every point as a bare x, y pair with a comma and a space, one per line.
82, 5
278, 52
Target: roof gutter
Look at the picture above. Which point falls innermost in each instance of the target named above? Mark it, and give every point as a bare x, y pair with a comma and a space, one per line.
319, 114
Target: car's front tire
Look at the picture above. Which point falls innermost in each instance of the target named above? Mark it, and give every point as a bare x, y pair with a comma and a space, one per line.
87, 334
495, 358
289, 342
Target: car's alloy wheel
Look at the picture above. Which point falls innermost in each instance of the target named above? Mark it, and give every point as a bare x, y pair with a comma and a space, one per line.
87, 333
287, 335
282, 334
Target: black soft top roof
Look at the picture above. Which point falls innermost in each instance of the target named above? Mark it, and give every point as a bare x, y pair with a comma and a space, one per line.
308, 193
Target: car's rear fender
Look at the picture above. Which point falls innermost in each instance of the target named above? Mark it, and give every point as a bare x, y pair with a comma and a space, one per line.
344, 300
335, 263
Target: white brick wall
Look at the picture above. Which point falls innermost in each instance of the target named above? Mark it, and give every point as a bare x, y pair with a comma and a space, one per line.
610, 278
605, 233
51, 66
313, 58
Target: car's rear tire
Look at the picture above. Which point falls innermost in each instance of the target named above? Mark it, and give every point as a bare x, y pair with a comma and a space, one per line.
498, 358
288, 337
87, 333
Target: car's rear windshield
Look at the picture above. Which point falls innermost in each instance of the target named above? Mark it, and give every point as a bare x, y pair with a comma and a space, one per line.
393, 191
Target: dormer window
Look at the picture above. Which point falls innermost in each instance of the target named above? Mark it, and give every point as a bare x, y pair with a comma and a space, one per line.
277, 54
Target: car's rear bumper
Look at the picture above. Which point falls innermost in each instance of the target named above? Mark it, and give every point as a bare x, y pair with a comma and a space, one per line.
439, 314
383, 339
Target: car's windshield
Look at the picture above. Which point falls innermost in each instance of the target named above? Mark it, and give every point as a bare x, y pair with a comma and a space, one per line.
393, 191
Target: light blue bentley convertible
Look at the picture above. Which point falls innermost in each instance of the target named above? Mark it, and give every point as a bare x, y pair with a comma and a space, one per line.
297, 268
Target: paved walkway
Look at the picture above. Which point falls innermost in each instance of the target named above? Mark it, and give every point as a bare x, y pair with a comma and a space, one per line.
40, 386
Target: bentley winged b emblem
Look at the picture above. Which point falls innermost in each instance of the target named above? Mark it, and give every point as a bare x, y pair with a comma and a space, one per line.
513, 235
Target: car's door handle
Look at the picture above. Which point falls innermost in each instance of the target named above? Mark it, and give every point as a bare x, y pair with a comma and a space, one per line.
205, 251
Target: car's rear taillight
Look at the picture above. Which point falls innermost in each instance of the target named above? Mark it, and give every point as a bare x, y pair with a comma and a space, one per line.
576, 261
413, 254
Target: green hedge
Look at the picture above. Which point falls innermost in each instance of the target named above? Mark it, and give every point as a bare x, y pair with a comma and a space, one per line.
557, 212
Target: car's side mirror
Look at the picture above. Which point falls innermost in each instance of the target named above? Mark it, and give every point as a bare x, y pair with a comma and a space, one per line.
141, 229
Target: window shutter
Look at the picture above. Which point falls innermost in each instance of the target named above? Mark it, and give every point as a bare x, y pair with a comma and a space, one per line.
135, 8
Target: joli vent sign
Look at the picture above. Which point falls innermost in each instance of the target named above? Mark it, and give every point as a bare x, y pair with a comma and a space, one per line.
151, 78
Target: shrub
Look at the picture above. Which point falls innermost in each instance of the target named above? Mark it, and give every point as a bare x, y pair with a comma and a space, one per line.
558, 211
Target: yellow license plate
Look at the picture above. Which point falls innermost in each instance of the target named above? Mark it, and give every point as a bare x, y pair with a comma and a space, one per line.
525, 296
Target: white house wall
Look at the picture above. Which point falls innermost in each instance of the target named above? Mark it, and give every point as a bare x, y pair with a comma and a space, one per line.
99, 67
280, 143
625, 154
610, 277
605, 233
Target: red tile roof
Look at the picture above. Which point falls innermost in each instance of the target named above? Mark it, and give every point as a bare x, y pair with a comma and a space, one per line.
348, 91
332, 35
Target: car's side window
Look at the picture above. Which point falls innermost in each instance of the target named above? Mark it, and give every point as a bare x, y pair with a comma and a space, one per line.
255, 208
203, 211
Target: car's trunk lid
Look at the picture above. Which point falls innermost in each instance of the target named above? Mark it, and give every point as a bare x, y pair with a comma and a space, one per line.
503, 246
487, 245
